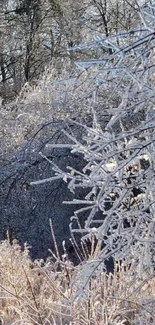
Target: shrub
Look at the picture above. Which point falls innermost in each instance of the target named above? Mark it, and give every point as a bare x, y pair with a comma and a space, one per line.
119, 152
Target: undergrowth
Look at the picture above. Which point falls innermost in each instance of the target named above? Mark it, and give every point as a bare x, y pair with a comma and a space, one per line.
55, 97
46, 292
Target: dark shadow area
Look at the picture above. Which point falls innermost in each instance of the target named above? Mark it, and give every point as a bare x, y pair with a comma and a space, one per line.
26, 210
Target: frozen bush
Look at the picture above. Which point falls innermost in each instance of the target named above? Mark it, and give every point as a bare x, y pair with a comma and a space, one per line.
119, 150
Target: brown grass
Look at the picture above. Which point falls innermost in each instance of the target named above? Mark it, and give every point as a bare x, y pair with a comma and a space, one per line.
37, 293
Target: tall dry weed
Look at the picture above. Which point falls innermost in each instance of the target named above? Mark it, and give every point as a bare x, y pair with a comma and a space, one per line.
38, 293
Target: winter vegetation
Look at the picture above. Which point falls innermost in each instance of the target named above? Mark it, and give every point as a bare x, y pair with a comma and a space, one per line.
77, 162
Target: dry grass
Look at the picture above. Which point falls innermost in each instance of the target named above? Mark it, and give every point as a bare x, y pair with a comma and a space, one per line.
36, 293
54, 97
